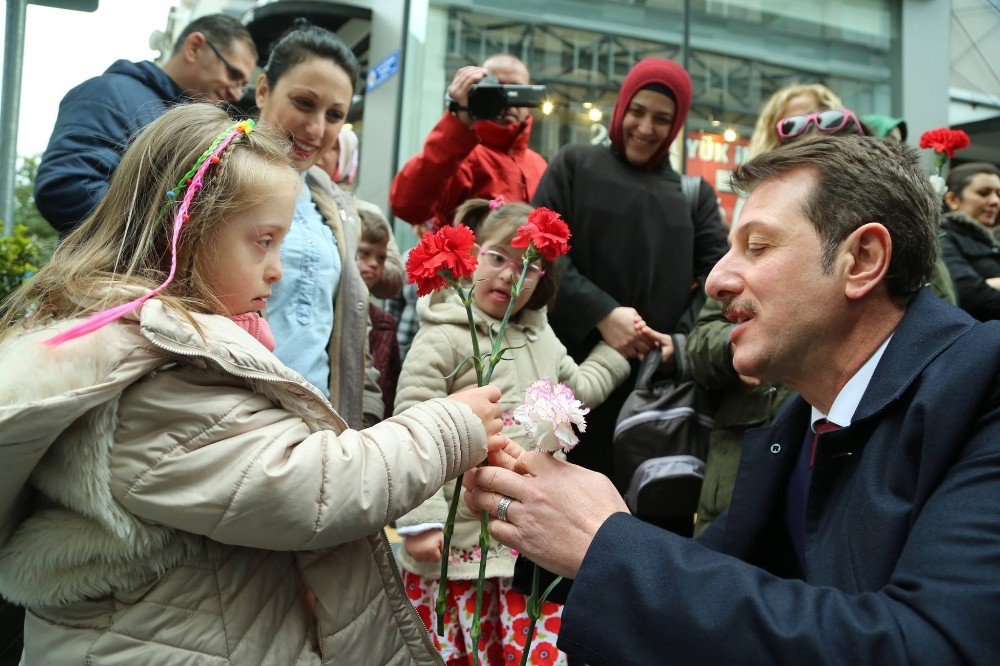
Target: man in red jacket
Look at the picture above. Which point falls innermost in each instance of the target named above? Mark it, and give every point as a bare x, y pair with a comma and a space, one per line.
465, 158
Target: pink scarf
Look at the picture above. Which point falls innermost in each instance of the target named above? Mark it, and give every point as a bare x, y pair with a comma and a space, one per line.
255, 325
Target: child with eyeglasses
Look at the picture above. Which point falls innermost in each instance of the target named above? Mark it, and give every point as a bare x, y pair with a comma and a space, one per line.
441, 344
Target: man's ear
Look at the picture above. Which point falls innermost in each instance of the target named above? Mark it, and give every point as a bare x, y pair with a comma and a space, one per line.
192, 44
867, 252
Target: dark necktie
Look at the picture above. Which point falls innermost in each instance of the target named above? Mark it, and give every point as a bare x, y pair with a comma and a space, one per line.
821, 426
798, 488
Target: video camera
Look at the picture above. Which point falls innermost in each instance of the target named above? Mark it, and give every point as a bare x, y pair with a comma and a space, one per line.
488, 98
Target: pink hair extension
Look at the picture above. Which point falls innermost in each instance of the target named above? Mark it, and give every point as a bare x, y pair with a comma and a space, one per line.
195, 183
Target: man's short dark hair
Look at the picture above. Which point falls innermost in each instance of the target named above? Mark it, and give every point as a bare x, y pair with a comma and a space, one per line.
220, 30
861, 179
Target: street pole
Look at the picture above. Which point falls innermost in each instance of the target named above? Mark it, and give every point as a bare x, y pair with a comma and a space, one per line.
686, 63
10, 103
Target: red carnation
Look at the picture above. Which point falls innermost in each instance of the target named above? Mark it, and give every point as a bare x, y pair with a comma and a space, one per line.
448, 251
944, 140
546, 231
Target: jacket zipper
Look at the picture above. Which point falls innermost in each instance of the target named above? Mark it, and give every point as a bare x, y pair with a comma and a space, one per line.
410, 610
261, 376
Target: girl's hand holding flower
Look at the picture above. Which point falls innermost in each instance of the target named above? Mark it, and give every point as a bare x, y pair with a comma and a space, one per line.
485, 402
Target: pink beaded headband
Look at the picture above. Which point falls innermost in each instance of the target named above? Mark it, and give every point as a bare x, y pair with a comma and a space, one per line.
189, 184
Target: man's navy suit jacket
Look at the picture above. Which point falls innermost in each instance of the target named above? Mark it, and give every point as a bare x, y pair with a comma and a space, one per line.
902, 537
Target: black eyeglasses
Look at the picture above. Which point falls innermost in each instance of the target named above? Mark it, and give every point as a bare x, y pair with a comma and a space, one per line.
235, 75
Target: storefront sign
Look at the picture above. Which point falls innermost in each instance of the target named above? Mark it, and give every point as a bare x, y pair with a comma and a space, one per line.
713, 158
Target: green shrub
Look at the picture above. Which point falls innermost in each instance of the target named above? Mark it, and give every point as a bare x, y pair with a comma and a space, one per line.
21, 255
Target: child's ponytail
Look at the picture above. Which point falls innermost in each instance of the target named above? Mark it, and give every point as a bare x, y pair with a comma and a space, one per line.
472, 212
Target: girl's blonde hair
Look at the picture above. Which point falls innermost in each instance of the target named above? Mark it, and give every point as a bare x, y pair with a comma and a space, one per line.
499, 225
123, 246
765, 136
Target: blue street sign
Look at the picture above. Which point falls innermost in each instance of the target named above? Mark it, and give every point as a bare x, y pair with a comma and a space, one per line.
382, 71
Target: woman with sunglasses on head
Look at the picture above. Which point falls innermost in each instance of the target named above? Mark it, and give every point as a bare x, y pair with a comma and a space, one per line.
798, 99
968, 239
639, 249
794, 100
319, 310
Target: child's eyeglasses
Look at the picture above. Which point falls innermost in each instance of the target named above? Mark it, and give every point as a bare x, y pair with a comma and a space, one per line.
235, 75
497, 261
829, 122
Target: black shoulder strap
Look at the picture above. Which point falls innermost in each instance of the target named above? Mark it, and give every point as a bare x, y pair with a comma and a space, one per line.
691, 186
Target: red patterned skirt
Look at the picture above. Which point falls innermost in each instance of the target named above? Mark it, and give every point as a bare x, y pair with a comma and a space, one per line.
504, 622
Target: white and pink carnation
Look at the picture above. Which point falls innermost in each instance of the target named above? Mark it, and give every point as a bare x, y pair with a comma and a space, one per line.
548, 414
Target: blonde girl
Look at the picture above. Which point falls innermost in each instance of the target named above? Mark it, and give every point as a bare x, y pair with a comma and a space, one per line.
170, 492
441, 343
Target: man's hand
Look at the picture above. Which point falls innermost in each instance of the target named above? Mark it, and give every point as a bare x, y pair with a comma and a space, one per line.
425, 547
458, 90
484, 401
622, 329
557, 509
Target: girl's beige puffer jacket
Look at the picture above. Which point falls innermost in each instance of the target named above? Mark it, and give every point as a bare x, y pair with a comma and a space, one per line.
167, 499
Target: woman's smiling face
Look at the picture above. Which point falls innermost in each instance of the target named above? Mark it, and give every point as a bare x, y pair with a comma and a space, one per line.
646, 125
310, 102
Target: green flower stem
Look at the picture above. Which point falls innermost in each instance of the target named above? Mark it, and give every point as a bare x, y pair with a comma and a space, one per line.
939, 161
449, 529
449, 525
477, 358
484, 548
535, 610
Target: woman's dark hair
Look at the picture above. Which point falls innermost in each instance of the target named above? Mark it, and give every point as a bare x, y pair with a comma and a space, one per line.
500, 225
960, 177
305, 42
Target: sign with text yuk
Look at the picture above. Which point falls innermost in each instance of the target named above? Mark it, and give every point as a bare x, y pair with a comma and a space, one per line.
713, 158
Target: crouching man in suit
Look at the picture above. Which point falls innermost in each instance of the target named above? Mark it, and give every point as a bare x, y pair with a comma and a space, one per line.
864, 526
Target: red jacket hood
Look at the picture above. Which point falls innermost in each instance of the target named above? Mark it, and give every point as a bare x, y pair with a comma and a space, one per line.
646, 71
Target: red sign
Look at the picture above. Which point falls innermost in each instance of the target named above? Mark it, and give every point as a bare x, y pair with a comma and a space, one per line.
713, 158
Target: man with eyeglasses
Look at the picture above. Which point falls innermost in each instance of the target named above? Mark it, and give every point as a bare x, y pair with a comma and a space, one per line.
211, 61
